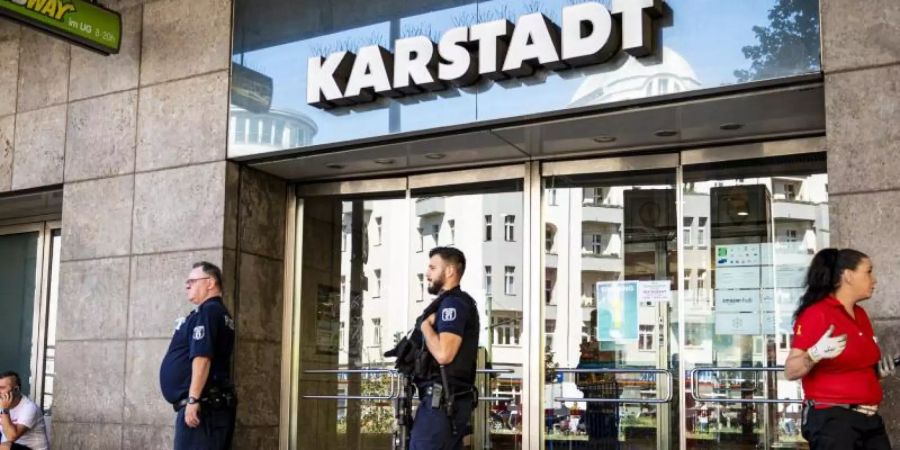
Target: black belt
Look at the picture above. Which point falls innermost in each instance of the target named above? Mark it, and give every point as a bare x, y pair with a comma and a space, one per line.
215, 398
458, 391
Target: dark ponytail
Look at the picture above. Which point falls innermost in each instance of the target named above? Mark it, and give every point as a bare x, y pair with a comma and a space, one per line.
824, 274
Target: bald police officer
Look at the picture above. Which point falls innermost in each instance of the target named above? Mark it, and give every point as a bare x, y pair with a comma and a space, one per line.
451, 337
195, 375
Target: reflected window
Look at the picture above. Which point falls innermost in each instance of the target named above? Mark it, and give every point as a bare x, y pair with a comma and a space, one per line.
509, 280
377, 288
701, 232
487, 281
688, 226
240, 130
509, 228
422, 286
645, 337
378, 231
488, 228
452, 225
548, 239
551, 197
343, 288
435, 234
376, 332
420, 241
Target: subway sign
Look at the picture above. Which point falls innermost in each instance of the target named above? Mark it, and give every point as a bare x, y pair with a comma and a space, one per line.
79, 21
589, 33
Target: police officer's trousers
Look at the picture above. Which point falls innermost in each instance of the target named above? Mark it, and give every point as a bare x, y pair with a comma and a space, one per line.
214, 432
839, 428
431, 428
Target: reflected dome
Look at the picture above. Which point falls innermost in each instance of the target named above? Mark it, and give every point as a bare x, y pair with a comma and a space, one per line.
628, 78
276, 129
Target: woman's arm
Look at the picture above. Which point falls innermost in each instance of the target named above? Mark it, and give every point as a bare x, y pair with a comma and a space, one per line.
798, 364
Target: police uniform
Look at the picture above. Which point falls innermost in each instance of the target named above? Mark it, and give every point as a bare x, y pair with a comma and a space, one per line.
207, 331
837, 390
457, 313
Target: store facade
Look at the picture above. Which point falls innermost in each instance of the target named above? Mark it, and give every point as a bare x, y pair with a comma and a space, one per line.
637, 186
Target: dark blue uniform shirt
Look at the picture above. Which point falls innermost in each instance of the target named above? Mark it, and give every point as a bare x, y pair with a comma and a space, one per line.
458, 314
207, 331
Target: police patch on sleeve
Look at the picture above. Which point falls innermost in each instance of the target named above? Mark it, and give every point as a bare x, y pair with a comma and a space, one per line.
448, 315
199, 332
179, 322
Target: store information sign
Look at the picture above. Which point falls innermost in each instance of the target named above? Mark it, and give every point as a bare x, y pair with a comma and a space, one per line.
78, 21
737, 323
617, 310
654, 291
737, 300
737, 278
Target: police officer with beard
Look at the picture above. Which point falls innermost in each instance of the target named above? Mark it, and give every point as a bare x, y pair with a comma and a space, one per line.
450, 335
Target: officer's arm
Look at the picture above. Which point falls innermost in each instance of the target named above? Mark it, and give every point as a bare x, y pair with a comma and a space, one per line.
443, 346
199, 373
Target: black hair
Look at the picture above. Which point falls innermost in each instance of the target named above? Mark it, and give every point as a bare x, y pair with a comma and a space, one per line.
15, 376
824, 274
213, 271
452, 256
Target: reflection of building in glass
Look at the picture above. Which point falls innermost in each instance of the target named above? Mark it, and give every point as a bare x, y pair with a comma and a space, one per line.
252, 133
637, 78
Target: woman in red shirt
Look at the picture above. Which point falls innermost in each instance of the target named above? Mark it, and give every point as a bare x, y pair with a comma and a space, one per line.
834, 351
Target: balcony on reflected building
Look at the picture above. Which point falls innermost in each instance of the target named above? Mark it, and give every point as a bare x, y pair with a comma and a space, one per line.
430, 206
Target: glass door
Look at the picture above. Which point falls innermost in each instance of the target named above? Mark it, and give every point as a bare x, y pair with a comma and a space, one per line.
610, 269
750, 227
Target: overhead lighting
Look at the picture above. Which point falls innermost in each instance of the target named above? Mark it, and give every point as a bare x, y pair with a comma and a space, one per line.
384, 161
743, 213
435, 156
604, 139
666, 133
335, 166
731, 126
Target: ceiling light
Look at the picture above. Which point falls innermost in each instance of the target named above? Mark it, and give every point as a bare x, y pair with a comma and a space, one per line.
384, 161
604, 138
731, 126
335, 166
666, 133
435, 156
743, 213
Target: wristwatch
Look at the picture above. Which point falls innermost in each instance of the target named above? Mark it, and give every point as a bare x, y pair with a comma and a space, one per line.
193, 400
4, 411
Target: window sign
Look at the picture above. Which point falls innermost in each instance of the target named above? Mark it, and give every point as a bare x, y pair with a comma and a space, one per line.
82, 22
617, 310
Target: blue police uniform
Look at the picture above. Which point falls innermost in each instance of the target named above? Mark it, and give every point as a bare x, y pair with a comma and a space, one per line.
207, 331
431, 430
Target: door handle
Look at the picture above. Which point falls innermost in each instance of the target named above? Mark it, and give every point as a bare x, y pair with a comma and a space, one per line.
700, 398
392, 391
657, 400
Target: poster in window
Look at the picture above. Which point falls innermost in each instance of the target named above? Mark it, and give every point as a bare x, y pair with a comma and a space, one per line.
617, 310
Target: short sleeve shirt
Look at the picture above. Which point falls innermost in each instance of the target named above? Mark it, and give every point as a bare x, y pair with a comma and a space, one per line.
207, 331
451, 316
851, 377
29, 414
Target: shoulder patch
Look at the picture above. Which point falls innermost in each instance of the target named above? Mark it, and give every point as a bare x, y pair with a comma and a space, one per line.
448, 314
179, 322
199, 332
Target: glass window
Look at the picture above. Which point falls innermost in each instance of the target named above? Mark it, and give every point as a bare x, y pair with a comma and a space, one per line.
377, 289
509, 280
420, 239
452, 225
378, 231
423, 286
488, 231
509, 228
376, 332
435, 234
645, 337
488, 289
688, 231
701, 232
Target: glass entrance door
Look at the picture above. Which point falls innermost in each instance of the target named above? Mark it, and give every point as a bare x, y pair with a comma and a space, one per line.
610, 335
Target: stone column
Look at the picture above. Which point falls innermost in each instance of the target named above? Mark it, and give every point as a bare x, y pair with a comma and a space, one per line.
861, 59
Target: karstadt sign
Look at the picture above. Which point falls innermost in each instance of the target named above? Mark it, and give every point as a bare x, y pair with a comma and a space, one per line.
590, 33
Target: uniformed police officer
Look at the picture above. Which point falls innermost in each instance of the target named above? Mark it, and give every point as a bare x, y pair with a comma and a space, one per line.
195, 375
451, 337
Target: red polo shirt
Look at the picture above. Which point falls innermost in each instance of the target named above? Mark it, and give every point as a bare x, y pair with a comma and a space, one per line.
851, 377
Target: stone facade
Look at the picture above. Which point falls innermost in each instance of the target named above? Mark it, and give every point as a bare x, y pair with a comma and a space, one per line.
861, 60
133, 138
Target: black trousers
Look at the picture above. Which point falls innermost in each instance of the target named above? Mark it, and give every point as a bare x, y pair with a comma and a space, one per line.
842, 429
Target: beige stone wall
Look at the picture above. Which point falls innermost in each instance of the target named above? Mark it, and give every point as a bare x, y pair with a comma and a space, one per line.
138, 141
861, 60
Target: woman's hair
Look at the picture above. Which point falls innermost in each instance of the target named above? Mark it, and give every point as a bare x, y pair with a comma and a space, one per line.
824, 274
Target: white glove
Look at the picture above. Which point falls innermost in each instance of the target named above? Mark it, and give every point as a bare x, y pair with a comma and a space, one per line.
886, 366
828, 347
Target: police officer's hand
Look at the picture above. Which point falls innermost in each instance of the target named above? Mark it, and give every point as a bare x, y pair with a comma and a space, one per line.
429, 322
886, 366
828, 346
192, 415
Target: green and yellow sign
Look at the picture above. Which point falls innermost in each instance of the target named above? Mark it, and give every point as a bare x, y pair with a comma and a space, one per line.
79, 21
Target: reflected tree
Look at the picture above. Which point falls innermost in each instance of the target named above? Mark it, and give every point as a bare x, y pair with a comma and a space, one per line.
789, 45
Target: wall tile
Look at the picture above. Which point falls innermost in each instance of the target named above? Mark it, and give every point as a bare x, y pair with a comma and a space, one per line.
94, 74
97, 215
100, 136
90, 376
43, 70
183, 122
861, 145
179, 209
9, 74
93, 299
144, 403
259, 438
855, 36
158, 296
262, 214
143, 437
40, 148
168, 53
257, 369
7, 137
96, 436
260, 301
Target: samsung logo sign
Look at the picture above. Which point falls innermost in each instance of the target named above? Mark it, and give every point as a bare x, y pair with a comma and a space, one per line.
590, 33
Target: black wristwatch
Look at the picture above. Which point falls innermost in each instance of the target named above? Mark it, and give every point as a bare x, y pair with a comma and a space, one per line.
193, 400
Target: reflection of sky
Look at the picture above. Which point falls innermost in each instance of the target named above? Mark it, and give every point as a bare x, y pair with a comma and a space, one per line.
709, 34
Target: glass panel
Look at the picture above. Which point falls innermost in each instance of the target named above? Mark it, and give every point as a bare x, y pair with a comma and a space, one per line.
52, 303
352, 310
702, 45
613, 272
18, 270
766, 219
493, 277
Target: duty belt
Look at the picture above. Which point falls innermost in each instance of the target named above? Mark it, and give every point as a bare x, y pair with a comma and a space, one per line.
216, 398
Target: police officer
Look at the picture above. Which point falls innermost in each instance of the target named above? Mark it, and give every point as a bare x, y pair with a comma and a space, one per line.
195, 373
451, 337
